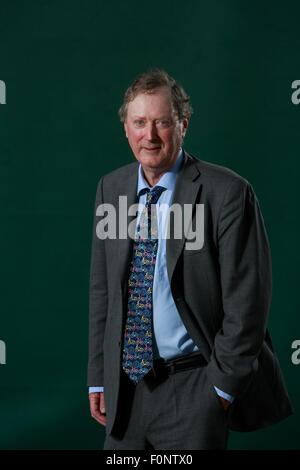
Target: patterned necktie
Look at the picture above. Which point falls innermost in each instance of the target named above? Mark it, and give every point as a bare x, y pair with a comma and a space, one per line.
137, 351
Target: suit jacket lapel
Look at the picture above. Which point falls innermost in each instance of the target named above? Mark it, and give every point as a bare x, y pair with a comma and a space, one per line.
125, 246
186, 190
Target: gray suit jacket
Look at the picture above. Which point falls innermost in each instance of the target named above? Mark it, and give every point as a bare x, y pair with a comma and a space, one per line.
222, 292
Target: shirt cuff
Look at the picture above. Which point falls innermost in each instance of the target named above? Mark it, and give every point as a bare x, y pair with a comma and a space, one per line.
224, 395
96, 389
228, 397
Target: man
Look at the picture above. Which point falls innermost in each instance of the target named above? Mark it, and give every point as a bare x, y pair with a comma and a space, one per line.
177, 332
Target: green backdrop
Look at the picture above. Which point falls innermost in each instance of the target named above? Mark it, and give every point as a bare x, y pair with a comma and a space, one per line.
66, 65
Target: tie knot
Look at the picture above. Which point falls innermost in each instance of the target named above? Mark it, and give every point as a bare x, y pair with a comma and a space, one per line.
153, 195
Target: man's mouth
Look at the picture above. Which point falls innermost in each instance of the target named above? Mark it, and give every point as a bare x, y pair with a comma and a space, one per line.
151, 149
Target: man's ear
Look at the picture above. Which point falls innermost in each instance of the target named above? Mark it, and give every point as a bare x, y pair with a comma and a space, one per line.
185, 123
125, 129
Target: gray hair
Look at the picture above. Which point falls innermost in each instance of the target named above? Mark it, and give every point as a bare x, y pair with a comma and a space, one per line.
148, 82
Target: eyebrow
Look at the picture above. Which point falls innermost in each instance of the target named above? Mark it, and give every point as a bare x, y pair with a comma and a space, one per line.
135, 116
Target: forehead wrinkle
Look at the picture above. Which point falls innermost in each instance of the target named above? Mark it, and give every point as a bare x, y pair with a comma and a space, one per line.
138, 116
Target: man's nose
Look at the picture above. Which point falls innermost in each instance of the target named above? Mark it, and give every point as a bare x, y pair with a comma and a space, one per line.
151, 131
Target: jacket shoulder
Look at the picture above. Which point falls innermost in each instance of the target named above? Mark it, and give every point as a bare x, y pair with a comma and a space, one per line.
121, 173
214, 172
220, 179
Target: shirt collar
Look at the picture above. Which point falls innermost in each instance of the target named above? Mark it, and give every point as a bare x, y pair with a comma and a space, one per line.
167, 180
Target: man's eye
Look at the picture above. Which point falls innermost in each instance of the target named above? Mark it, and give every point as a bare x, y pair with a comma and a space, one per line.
163, 123
139, 122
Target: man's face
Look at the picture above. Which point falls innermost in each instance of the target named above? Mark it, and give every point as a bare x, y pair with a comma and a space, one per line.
153, 131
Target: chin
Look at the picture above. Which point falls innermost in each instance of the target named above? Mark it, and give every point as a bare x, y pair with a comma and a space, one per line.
147, 158
152, 162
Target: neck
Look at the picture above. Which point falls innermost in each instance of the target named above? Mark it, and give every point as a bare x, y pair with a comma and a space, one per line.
152, 177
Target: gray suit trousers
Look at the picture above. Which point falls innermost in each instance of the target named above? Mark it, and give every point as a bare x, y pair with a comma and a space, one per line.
182, 412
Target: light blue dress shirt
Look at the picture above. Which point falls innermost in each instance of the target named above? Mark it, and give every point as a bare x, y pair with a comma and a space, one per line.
170, 337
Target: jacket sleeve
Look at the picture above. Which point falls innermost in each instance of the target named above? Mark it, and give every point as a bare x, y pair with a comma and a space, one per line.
97, 301
246, 283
